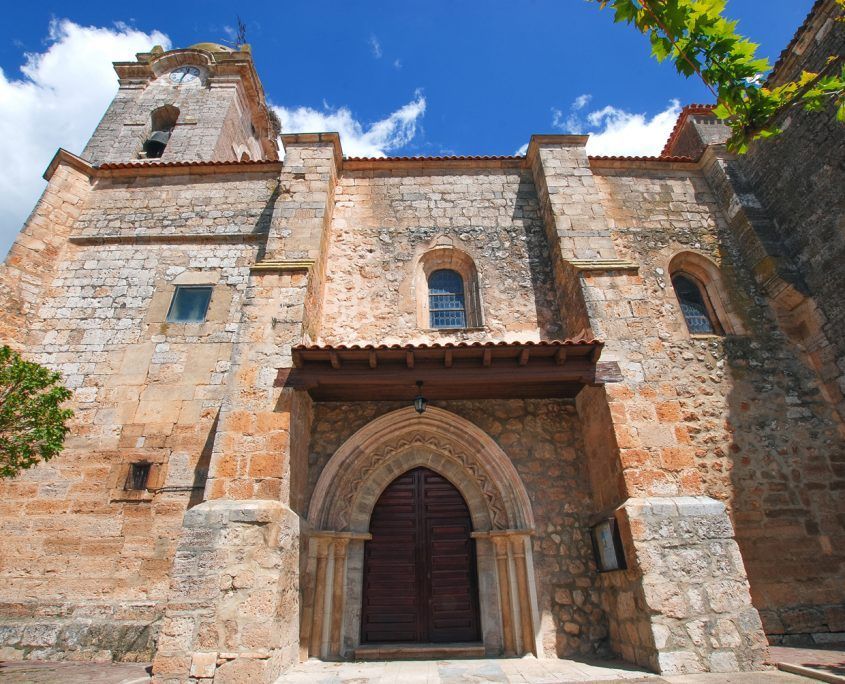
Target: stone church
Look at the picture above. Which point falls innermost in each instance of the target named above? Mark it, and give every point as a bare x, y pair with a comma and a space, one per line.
334, 407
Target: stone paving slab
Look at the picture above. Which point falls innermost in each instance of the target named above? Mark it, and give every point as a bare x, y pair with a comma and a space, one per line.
40, 672
504, 671
507, 671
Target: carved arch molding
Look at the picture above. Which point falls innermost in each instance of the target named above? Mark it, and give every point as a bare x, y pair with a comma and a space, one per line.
339, 516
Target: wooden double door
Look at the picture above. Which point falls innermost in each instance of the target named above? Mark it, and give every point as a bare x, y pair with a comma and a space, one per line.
420, 581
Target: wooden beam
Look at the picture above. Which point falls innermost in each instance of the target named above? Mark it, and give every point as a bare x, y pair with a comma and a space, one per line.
596, 353
409, 359
447, 358
487, 359
523, 356
560, 356
373, 359
335, 360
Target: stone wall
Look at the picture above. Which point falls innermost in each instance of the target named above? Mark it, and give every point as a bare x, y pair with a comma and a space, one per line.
85, 563
797, 178
384, 221
737, 417
543, 440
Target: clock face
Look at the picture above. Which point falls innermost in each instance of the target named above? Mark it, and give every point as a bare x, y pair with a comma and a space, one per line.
185, 74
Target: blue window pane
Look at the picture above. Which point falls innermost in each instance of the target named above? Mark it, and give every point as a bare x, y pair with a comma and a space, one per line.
693, 306
189, 304
446, 299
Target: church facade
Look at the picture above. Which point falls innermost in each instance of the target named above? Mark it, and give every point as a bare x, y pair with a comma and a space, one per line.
341, 407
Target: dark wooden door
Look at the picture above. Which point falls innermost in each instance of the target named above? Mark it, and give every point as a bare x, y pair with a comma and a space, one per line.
419, 567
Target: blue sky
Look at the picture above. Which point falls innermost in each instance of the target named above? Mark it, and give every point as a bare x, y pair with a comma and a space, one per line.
408, 77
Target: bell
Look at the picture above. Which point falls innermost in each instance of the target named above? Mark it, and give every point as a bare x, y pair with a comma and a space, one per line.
155, 144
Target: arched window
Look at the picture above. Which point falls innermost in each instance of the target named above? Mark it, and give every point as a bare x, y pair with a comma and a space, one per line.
694, 305
162, 123
446, 299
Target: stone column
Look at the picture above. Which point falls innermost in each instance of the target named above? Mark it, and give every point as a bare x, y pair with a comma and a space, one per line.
234, 607
517, 591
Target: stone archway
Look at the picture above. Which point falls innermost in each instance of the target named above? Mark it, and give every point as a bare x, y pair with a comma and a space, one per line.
347, 491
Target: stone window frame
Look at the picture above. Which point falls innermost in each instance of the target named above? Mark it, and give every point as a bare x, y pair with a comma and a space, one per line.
216, 315
452, 259
704, 273
119, 478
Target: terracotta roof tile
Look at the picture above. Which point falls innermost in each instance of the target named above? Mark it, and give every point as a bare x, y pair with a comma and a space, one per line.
570, 341
109, 166
682, 117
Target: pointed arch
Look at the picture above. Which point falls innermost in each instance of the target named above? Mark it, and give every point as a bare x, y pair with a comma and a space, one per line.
369, 460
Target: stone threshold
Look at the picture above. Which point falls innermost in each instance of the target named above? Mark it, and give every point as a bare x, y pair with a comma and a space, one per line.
418, 651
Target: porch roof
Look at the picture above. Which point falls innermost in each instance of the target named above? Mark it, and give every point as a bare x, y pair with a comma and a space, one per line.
464, 370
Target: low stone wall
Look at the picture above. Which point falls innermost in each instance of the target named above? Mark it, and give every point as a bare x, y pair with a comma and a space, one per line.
77, 637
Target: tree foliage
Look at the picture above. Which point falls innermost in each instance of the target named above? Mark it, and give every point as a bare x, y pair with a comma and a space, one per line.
33, 424
699, 40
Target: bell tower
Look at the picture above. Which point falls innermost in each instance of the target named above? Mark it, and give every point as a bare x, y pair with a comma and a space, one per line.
202, 103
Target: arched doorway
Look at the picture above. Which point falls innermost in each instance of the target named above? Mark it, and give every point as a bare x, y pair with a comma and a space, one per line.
340, 512
419, 566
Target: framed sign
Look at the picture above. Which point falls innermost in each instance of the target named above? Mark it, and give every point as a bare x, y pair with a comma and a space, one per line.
607, 546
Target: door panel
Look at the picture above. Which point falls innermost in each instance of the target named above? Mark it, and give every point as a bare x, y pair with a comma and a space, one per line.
419, 567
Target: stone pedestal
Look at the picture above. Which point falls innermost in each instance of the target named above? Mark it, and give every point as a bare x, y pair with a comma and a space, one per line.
233, 612
683, 605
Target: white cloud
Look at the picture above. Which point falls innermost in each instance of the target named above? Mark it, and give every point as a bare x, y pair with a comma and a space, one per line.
58, 101
571, 122
618, 132
581, 101
397, 63
375, 140
522, 150
375, 47
614, 131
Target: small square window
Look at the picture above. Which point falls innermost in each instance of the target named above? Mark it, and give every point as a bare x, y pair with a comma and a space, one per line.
189, 305
139, 475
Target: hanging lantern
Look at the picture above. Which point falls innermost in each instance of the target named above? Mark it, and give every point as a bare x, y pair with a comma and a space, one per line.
420, 401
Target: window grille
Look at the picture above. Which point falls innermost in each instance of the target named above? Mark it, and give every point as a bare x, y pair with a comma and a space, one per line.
693, 306
139, 474
189, 305
446, 299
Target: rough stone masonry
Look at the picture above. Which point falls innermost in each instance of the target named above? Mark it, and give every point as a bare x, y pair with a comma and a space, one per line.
655, 342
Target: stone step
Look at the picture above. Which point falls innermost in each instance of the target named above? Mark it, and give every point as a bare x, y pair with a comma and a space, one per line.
418, 651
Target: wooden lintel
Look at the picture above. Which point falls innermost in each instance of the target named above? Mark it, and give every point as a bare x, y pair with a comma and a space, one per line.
447, 358
595, 354
560, 356
523, 356
335, 360
409, 359
487, 360
296, 355
373, 360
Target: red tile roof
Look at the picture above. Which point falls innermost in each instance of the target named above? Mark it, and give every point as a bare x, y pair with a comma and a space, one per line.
580, 339
109, 166
679, 124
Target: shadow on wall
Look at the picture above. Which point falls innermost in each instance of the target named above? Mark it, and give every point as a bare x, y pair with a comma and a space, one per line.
203, 464
527, 212
785, 465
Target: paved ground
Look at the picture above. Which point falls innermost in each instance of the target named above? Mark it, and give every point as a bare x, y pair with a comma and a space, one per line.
507, 671
829, 660
501, 671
